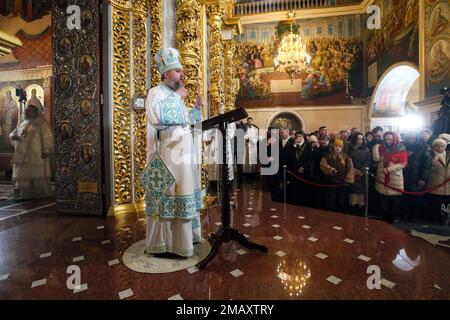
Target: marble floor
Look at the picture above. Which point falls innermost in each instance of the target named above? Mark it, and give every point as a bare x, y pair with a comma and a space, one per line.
330, 254
6, 191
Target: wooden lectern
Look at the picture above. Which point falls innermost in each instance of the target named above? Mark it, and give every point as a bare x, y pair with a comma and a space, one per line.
226, 233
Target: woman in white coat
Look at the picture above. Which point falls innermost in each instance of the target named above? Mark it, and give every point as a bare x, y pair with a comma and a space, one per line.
392, 158
440, 172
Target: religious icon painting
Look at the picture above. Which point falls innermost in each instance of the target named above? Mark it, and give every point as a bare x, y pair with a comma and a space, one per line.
86, 107
156, 180
439, 20
65, 130
85, 63
64, 82
65, 172
87, 153
64, 45
438, 62
86, 18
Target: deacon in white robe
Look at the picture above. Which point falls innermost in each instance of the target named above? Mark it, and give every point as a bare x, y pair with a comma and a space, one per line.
175, 226
33, 140
213, 153
251, 147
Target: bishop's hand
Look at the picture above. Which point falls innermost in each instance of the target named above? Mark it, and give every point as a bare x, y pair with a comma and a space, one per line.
182, 92
199, 104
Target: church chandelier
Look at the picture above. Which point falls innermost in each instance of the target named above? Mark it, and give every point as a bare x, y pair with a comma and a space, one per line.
292, 54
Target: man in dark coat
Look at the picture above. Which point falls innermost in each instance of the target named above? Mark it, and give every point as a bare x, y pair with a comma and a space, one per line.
286, 157
415, 174
300, 193
359, 153
442, 124
324, 149
374, 202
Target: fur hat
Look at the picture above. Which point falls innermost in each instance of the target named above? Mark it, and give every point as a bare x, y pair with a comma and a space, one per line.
437, 141
445, 136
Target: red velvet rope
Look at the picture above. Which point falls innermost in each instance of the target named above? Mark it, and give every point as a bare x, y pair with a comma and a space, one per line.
410, 192
388, 186
317, 184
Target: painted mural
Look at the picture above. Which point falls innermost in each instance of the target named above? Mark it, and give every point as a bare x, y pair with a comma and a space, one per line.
12, 108
437, 46
398, 38
335, 66
29, 10
26, 72
9, 116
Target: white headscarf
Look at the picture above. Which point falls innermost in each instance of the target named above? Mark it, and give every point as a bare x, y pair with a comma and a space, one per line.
443, 155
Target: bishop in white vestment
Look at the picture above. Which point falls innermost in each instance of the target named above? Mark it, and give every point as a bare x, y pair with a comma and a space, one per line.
33, 140
174, 226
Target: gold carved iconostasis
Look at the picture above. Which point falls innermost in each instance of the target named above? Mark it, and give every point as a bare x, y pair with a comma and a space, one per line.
133, 49
25, 67
334, 45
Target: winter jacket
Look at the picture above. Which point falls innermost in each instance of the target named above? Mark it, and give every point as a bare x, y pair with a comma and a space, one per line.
440, 172
395, 173
361, 159
344, 166
419, 166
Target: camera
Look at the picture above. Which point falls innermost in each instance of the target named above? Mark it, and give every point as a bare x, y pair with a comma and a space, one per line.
446, 102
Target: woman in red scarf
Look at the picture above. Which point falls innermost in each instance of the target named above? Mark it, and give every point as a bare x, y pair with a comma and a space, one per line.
393, 158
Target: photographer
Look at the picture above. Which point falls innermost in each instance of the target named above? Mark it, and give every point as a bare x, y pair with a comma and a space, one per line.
442, 124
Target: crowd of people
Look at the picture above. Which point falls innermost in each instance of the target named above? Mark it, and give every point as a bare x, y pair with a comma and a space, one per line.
327, 170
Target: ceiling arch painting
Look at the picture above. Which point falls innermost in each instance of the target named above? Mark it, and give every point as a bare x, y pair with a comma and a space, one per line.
390, 98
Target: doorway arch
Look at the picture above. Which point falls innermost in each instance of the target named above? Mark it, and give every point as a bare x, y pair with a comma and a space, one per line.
398, 85
287, 119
